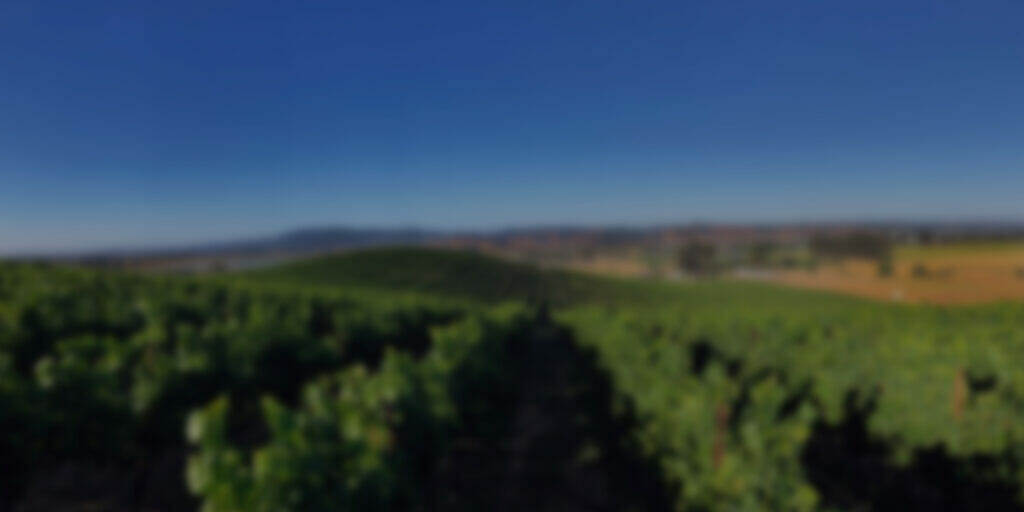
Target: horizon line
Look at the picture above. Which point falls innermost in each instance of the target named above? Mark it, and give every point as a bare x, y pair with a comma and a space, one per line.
211, 245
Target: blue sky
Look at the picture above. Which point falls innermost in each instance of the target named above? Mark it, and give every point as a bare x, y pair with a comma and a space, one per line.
129, 123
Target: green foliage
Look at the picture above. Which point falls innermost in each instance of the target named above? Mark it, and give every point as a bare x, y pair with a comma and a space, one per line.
446, 273
356, 441
289, 397
782, 368
105, 366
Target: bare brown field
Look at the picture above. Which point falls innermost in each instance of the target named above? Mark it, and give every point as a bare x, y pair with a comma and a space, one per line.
940, 275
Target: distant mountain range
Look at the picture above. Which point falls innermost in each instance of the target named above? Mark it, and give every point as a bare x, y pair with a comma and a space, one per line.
519, 240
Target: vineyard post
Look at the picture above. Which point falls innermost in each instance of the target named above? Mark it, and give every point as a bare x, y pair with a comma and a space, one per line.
959, 393
721, 425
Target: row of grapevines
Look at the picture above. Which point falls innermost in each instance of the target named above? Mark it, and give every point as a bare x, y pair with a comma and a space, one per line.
357, 440
729, 395
97, 366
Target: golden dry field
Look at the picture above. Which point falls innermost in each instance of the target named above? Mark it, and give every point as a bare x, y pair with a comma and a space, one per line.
953, 274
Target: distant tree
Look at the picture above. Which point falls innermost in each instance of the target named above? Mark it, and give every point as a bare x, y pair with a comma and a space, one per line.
697, 258
920, 271
761, 252
858, 244
885, 267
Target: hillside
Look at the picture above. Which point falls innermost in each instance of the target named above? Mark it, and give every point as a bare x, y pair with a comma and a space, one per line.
434, 273
355, 382
459, 274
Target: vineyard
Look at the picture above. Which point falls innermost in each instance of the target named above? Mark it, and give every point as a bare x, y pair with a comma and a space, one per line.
433, 380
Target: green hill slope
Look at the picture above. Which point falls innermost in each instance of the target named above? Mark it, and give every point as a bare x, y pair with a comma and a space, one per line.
450, 273
437, 273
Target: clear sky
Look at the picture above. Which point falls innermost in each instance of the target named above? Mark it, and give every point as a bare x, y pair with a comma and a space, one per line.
127, 123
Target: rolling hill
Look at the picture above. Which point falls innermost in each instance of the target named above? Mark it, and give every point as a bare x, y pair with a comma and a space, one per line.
458, 274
